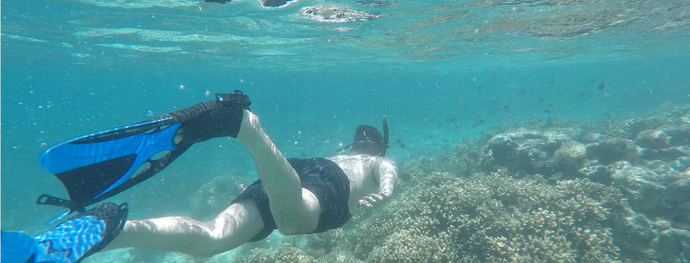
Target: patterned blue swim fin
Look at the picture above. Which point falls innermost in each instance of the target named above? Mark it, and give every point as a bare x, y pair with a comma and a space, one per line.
97, 166
17, 247
69, 242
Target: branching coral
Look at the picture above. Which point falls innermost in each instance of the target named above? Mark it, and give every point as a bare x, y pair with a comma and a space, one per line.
493, 218
283, 254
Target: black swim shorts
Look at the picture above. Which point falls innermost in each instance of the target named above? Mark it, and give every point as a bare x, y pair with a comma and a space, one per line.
322, 177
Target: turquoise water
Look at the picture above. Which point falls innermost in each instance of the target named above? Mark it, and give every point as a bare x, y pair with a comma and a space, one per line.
442, 71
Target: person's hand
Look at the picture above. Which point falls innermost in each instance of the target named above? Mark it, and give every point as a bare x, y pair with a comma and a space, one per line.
374, 200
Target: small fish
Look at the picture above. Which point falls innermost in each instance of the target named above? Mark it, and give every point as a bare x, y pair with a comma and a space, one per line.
401, 144
207, 93
602, 86
149, 113
541, 100
584, 92
479, 122
547, 110
557, 121
480, 87
505, 107
665, 105
550, 105
556, 176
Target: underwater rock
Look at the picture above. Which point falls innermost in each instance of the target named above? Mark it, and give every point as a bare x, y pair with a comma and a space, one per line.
639, 185
674, 152
648, 154
678, 199
670, 242
334, 13
532, 152
669, 143
637, 234
598, 173
681, 164
612, 150
592, 137
680, 135
569, 158
664, 171
655, 139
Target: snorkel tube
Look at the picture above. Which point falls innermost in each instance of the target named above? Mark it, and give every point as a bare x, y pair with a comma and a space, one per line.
385, 136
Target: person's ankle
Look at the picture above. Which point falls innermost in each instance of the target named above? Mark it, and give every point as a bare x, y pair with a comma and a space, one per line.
249, 129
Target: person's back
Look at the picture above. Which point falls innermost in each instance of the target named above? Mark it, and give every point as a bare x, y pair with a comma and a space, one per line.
364, 172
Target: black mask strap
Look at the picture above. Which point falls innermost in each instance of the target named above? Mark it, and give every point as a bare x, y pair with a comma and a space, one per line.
343, 149
385, 136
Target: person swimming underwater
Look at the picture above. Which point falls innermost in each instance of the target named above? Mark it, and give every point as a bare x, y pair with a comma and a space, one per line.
295, 196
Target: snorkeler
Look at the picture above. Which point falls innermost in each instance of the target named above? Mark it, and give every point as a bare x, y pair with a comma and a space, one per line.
295, 196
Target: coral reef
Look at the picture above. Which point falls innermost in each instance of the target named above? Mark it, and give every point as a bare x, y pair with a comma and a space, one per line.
282, 254
670, 144
612, 150
216, 195
492, 218
530, 152
462, 159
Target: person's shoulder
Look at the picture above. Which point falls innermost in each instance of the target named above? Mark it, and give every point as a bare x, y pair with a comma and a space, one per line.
383, 159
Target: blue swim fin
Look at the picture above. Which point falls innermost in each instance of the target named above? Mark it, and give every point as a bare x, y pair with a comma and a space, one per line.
17, 247
99, 165
69, 242
82, 235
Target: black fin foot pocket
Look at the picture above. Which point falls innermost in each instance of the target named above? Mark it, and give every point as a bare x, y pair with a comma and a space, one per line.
221, 117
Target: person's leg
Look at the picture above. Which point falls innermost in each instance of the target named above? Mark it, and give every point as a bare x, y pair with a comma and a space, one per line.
295, 210
239, 223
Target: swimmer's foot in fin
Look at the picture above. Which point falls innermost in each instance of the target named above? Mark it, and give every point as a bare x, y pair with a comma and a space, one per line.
99, 165
69, 242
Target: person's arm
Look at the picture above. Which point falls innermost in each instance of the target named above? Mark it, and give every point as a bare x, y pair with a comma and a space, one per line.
386, 171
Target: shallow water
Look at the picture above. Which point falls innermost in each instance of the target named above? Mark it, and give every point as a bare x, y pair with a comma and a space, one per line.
442, 71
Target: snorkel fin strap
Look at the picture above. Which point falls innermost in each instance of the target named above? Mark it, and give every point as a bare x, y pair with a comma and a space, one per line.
385, 135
